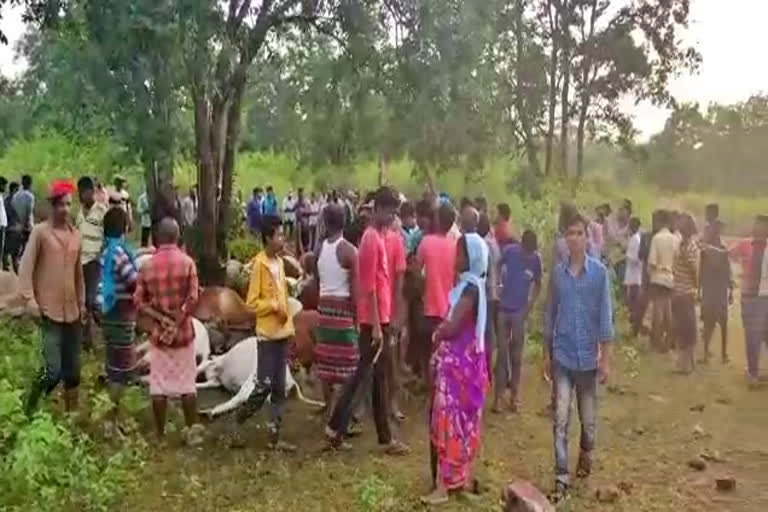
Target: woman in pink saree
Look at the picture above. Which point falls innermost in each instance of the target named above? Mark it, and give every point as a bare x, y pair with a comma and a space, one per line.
460, 375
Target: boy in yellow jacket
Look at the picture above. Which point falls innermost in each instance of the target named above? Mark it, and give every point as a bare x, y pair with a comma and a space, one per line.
268, 299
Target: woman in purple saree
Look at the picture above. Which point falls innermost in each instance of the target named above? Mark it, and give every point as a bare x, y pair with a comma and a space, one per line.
460, 374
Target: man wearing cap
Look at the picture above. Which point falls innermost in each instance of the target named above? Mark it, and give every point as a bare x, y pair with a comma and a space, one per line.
51, 277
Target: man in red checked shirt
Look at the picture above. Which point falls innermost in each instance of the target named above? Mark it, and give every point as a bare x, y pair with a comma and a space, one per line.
167, 291
374, 313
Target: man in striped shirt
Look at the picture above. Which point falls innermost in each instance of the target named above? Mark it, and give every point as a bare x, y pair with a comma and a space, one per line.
90, 225
686, 284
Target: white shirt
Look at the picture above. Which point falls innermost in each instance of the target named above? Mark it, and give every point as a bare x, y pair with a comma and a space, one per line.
661, 258
274, 268
634, 272
289, 208
3, 216
188, 211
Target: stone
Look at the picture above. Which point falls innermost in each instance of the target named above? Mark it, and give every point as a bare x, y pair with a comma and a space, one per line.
625, 487
697, 408
726, 484
607, 494
657, 398
713, 456
639, 431
723, 400
698, 431
522, 496
698, 464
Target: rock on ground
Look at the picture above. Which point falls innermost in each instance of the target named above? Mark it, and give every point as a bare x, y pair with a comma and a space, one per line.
726, 484
522, 496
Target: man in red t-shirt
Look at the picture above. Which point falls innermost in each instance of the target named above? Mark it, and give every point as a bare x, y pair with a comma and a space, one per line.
396, 265
436, 257
374, 313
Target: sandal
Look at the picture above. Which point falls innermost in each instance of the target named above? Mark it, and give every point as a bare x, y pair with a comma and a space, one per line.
355, 430
397, 449
437, 497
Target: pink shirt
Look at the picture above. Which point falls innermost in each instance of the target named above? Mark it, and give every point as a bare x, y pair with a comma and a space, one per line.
395, 255
437, 253
373, 275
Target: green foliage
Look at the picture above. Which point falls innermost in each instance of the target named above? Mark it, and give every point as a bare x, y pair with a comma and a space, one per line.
43, 464
719, 149
51, 155
376, 495
244, 249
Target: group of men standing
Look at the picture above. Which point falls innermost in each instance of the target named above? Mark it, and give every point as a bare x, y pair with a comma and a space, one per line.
75, 273
17, 217
300, 213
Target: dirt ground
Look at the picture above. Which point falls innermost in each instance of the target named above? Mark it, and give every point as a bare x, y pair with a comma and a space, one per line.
647, 422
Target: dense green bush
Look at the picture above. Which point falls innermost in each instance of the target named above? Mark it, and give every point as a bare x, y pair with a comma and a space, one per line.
243, 249
46, 464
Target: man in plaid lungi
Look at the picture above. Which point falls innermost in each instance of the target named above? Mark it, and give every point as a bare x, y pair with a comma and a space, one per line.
167, 291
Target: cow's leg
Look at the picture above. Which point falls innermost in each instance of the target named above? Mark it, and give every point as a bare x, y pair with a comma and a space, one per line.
205, 365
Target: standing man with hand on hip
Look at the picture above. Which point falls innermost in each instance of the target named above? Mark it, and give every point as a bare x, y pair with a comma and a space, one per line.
51, 277
578, 329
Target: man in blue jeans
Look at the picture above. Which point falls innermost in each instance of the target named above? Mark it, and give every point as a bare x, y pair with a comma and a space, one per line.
578, 331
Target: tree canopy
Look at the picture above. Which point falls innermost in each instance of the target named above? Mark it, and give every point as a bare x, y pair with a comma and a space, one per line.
445, 83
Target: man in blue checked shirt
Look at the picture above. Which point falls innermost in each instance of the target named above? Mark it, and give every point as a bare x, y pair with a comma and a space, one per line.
578, 332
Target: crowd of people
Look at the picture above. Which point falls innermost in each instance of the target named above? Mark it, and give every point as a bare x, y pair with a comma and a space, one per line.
435, 291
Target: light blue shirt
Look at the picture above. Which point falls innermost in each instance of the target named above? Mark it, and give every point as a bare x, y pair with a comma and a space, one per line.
579, 314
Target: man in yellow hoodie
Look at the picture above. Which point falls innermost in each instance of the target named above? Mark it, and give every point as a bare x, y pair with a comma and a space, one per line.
268, 299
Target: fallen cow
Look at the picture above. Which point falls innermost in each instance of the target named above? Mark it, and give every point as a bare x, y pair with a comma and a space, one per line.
236, 372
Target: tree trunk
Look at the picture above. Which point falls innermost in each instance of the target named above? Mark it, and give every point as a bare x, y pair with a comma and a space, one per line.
580, 139
232, 140
552, 106
520, 102
383, 166
586, 90
565, 27
206, 179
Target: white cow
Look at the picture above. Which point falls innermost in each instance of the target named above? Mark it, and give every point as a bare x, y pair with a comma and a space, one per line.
202, 346
236, 372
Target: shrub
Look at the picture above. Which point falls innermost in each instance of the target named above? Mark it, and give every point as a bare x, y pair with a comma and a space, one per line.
43, 464
243, 249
